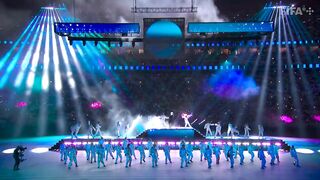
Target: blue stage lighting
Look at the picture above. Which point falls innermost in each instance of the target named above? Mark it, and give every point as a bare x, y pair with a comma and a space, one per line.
110, 28
229, 27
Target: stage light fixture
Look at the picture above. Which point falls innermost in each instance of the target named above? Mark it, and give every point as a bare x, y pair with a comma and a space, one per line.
8, 151
304, 151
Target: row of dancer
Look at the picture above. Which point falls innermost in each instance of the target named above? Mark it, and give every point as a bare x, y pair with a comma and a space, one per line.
100, 153
232, 130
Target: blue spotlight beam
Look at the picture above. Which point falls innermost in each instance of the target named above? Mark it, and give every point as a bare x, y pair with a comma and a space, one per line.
108, 28
230, 27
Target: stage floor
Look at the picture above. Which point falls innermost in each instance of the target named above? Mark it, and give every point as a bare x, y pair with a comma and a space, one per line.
48, 166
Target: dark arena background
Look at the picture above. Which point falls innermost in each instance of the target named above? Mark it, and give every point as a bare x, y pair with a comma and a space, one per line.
159, 71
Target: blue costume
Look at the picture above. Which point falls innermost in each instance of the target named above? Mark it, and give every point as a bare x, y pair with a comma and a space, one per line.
154, 155
142, 153
87, 148
118, 150
62, 148
166, 150
217, 153
226, 150
202, 148
272, 154
262, 157
231, 156
93, 151
132, 148
101, 154
190, 152
183, 156
208, 156
294, 155
127, 153
250, 151
109, 150
241, 150
72, 156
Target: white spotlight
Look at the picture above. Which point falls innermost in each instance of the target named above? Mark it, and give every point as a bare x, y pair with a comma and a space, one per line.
40, 150
304, 151
8, 151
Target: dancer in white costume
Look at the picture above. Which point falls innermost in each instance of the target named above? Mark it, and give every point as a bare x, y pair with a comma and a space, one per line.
186, 117
75, 130
208, 129
91, 129
246, 130
218, 129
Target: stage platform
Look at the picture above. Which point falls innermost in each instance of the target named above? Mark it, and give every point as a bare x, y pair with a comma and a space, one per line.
174, 136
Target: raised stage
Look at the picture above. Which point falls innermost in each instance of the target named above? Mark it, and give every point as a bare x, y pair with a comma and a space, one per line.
174, 136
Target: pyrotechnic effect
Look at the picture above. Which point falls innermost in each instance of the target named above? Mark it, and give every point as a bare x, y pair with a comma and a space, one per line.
286, 119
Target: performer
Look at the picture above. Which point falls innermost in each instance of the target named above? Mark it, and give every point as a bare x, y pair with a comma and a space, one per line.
18, 156
229, 129
72, 156
163, 118
217, 153
65, 154
125, 143
75, 130
246, 130
109, 150
208, 156
189, 152
208, 129
250, 151
93, 151
272, 154
231, 156
154, 155
142, 153
276, 152
101, 154
62, 148
166, 150
118, 128
262, 157
127, 153
183, 156
87, 149
234, 131
98, 130
226, 150
118, 149
91, 129
186, 117
241, 150
149, 145
101, 141
294, 155
261, 130
218, 129
132, 148
202, 148
126, 129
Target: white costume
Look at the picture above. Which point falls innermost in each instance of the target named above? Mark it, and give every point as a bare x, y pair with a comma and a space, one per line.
186, 117
261, 130
208, 129
75, 130
218, 129
229, 129
246, 131
98, 130
91, 129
